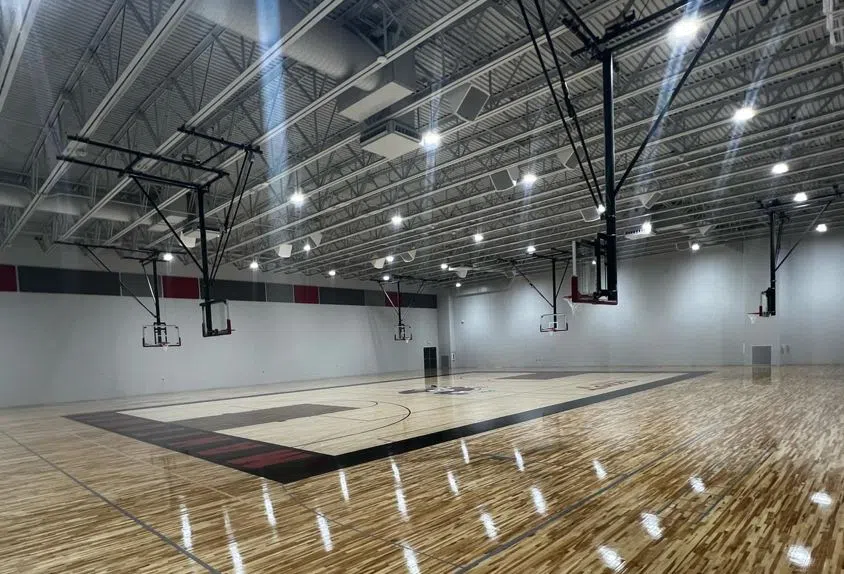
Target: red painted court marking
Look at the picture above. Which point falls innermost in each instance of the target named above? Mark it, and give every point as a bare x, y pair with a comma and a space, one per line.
238, 446
266, 459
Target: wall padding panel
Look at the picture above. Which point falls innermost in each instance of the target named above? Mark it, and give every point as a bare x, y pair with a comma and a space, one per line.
50, 280
8, 278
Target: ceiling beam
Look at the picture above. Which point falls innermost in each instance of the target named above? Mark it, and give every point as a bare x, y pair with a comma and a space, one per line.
157, 38
657, 85
24, 16
447, 20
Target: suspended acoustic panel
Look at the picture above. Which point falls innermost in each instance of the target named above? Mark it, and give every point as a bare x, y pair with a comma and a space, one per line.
379, 263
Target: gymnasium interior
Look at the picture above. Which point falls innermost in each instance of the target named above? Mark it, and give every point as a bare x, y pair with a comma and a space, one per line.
433, 286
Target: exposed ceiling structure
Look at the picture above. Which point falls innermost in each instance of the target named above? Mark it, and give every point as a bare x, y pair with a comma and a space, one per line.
338, 93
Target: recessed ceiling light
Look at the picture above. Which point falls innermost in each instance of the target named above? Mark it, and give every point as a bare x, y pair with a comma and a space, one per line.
743, 114
307, 247
385, 278
695, 246
800, 197
601, 208
821, 228
390, 258
458, 284
531, 249
167, 256
443, 266
685, 29
529, 178
332, 273
396, 219
254, 265
647, 228
298, 198
478, 237
430, 140
779, 168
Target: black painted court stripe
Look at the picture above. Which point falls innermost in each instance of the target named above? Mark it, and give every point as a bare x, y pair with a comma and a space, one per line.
423, 441
121, 510
582, 502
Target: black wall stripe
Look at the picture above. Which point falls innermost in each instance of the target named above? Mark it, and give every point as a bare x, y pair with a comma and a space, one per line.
50, 280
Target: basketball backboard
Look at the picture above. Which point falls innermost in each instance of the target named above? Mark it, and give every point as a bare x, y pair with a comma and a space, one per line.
553, 323
220, 322
161, 335
403, 333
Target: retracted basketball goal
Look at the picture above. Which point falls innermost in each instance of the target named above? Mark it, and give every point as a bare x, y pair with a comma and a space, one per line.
199, 176
553, 322
403, 332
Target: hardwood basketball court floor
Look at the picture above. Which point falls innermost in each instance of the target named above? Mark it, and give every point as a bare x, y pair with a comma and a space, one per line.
641, 470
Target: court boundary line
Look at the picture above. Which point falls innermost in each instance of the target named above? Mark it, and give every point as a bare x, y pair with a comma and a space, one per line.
163, 537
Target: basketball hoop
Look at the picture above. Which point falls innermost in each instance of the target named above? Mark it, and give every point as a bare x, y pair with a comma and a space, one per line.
161, 335
572, 305
553, 323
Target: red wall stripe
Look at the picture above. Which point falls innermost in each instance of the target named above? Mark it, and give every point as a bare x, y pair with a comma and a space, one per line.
180, 287
391, 296
306, 294
8, 278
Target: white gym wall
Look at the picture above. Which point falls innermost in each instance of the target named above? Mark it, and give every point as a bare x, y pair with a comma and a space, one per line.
677, 309
57, 347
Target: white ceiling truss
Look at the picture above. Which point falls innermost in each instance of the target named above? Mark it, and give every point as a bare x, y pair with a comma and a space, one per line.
131, 72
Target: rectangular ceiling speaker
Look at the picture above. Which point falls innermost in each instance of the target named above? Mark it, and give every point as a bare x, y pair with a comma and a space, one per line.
189, 241
504, 179
285, 250
648, 199
566, 157
467, 101
590, 214
316, 238
379, 263
409, 256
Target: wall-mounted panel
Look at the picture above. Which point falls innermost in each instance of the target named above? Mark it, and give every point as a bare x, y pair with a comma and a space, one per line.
239, 290
334, 296
419, 300
279, 293
49, 280
8, 278
306, 294
373, 298
180, 287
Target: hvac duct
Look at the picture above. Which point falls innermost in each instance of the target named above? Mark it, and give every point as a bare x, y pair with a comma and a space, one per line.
17, 196
327, 47
14, 196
